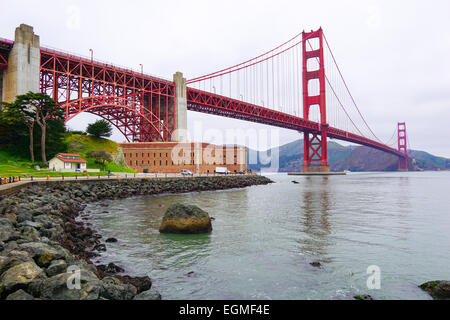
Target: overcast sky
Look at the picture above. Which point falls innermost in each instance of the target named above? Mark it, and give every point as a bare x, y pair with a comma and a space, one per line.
395, 55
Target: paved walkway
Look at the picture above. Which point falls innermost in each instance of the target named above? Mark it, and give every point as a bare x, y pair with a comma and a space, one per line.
11, 187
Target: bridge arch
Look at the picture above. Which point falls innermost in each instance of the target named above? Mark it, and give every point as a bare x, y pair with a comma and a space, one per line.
135, 122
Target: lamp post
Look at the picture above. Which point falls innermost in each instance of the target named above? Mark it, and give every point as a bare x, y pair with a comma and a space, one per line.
92, 55
142, 68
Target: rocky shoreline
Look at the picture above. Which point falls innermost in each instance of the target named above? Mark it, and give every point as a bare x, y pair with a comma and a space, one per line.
45, 252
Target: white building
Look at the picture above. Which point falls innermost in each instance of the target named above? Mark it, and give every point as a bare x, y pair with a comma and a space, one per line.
67, 162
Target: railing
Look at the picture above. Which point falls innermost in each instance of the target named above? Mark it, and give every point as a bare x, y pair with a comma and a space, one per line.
6, 41
119, 176
106, 64
86, 59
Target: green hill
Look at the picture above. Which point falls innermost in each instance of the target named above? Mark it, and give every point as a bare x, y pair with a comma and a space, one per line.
83, 144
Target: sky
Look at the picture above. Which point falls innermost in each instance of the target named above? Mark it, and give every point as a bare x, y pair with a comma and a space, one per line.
395, 55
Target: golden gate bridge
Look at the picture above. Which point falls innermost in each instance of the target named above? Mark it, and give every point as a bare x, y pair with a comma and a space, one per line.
297, 85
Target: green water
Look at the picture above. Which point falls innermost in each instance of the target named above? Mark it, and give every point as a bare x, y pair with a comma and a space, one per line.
265, 237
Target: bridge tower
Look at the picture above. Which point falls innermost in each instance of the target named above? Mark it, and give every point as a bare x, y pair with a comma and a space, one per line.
22, 74
315, 143
402, 146
180, 105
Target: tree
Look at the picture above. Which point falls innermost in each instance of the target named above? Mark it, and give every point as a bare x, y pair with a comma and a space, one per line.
100, 156
15, 112
44, 109
17, 127
56, 138
100, 128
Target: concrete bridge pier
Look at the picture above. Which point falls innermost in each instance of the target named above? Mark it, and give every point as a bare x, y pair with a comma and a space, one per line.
180, 105
22, 74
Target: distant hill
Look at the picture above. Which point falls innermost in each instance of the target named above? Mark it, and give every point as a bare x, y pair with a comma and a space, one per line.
353, 158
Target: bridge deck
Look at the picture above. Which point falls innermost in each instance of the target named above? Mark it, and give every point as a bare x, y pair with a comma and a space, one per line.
206, 102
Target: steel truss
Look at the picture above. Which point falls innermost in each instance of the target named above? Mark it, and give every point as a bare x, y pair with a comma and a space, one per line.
140, 106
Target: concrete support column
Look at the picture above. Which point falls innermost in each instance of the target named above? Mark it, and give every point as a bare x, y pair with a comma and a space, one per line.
180, 105
24, 62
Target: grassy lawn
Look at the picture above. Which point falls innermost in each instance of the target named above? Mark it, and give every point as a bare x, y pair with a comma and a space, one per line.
23, 170
13, 166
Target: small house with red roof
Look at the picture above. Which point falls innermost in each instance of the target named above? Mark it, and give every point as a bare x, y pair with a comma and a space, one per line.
68, 162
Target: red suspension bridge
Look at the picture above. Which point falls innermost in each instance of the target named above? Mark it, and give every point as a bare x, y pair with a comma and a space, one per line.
298, 85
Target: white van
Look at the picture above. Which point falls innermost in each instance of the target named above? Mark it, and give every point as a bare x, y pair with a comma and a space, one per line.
222, 170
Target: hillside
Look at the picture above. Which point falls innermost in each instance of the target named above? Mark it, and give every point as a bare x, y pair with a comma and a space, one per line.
353, 158
83, 144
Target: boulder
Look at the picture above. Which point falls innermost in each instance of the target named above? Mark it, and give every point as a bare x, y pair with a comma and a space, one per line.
19, 277
111, 268
141, 283
56, 267
363, 297
13, 259
11, 217
151, 294
48, 222
9, 246
100, 247
186, 219
56, 287
43, 253
111, 240
35, 225
6, 229
113, 289
23, 255
30, 234
24, 216
439, 289
20, 295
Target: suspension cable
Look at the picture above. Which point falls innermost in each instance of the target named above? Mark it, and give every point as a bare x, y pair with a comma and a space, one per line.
348, 90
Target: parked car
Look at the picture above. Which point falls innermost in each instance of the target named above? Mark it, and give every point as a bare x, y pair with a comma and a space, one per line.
222, 170
185, 172
240, 172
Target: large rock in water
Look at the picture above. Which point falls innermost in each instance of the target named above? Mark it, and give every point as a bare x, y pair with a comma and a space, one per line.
186, 219
437, 289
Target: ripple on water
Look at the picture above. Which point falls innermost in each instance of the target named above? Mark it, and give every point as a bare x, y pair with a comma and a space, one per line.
264, 238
